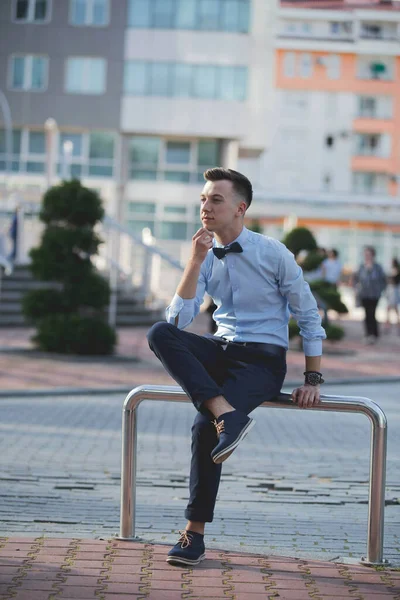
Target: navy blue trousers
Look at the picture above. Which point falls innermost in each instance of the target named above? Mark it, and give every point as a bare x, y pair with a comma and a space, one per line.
246, 377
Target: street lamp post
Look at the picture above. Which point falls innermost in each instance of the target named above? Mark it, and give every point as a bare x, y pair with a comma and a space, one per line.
50, 127
68, 148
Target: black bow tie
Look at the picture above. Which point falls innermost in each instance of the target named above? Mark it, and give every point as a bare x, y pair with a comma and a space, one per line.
221, 252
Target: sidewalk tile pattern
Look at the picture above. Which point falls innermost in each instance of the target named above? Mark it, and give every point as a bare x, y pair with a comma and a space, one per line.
77, 569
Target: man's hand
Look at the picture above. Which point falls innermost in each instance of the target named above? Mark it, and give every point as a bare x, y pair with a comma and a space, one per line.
202, 241
306, 395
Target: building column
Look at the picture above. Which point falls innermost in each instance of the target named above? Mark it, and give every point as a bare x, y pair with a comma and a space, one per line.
229, 154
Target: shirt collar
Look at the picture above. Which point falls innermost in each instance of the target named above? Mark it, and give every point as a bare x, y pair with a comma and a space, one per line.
242, 238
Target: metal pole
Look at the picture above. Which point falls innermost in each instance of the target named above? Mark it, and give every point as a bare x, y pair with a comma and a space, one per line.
377, 483
328, 403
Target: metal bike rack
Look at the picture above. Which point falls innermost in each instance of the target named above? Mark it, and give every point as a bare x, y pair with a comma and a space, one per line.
377, 477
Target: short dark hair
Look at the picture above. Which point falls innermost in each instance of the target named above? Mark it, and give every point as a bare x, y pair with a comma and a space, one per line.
370, 249
335, 252
240, 183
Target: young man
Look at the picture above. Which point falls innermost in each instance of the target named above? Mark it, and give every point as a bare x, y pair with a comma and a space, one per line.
256, 284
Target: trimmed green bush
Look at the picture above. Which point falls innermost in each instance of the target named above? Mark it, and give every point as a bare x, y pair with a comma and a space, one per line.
71, 318
300, 238
75, 334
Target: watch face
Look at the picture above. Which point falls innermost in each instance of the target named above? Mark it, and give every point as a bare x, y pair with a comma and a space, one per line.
313, 378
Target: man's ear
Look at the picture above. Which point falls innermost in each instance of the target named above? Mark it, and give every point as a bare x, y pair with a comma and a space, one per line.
242, 208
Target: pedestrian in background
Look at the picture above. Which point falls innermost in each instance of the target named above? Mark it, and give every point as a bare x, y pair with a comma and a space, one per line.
331, 269
369, 282
393, 295
13, 233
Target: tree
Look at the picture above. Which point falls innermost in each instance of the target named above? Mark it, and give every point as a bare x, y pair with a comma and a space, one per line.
327, 296
70, 314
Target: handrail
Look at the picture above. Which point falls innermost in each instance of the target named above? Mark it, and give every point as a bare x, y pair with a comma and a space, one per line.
112, 223
328, 403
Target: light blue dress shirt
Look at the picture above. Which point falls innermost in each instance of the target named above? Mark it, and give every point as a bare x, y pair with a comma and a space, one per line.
255, 292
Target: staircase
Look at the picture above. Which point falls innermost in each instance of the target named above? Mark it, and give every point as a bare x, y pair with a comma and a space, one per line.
131, 308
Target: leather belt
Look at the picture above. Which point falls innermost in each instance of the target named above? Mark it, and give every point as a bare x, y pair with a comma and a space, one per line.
267, 348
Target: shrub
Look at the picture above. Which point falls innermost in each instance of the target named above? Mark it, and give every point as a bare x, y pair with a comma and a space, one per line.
71, 318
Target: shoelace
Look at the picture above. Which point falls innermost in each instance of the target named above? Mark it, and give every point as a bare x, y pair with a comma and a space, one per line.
186, 539
220, 427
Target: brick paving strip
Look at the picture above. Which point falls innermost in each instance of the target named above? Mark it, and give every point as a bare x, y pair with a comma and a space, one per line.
75, 569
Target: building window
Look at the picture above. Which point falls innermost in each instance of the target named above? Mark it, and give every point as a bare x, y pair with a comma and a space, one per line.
31, 11
167, 79
205, 15
372, 144
375, 67
85, 75
141, 215
12, 161
28, 72
101, 154
182, 161
289, 64
370, 183
333, 64
173, 230
306, 65
90, 13
375, 107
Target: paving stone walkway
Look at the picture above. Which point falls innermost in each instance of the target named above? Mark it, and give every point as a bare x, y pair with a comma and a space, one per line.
79, 569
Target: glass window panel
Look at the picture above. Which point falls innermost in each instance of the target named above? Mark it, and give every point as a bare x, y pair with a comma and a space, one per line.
138, 226
76, 139
37, 144
178, 153
136, 77
15, 166
15, 141
161, 79
143, 174
163, 13
100, 171
18, 69
40, 10
100, 12
38, 73
230, 16
186, 14
244, 16
74, 74
35, 167
173, 230
204, 81
227, 83
101, 145
241, 83
78, 12
208, 153
144, 150
139, 13
96, 76
142, 207
22, 9
181, 176
177, 210
182, 80
209, 14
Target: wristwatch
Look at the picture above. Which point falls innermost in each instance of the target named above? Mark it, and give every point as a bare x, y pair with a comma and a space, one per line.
313, 377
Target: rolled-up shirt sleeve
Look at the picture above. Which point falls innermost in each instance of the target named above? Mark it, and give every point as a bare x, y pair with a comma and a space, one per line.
186, 309
302, 304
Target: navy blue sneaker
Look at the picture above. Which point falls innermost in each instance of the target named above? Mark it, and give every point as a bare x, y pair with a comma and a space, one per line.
189, 550
231, 428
